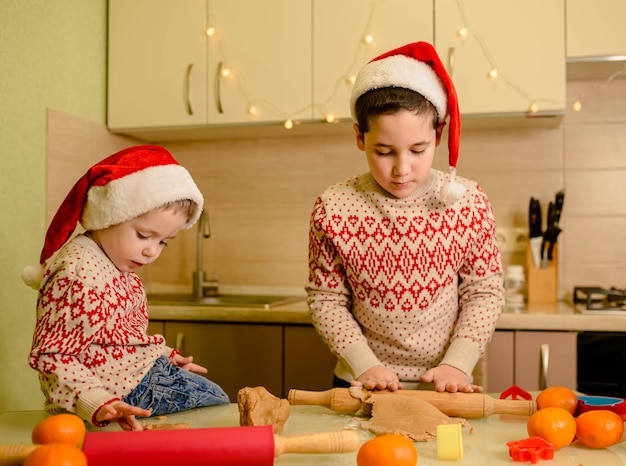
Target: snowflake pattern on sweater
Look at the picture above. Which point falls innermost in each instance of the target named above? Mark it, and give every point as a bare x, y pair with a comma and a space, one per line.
408, 283
90, 344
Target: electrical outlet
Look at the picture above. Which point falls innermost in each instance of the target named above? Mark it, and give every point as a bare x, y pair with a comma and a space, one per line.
512, 239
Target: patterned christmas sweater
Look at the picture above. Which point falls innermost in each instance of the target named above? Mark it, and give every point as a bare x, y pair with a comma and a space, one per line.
90, 344
407, 283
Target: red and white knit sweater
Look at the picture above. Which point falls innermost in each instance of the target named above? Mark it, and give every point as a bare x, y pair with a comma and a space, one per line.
90, 344
408, 283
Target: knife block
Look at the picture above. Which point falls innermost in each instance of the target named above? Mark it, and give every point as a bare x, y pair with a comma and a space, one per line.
543, 283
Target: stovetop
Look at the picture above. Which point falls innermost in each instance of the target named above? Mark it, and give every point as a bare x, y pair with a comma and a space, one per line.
597, 300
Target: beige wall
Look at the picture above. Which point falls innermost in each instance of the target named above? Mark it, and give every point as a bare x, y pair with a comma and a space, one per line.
52, 55
260, 192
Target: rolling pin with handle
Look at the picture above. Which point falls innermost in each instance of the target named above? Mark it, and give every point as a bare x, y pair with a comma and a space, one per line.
221, 446
469, 405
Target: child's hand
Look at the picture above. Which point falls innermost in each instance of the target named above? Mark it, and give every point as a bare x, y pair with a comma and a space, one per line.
187, 364
450, 379
378, 378
122, 413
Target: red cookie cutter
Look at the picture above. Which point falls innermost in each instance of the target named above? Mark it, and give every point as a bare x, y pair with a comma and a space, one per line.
531, 449
514, 391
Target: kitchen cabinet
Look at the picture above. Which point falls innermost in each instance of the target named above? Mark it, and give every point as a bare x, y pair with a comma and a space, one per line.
340, 49
595, 29
531, 360
236, 355
157, 63
168, 62
309, 364
524, 41
278, 357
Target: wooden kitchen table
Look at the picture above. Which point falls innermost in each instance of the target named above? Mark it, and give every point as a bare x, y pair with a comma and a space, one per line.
484, 440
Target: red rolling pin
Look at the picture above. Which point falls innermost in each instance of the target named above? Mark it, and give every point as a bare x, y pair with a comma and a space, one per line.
223, 446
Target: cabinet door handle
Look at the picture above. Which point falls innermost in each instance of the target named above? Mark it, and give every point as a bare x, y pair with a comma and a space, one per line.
218, 92
187, 81
543, 370
451, 52
180, 336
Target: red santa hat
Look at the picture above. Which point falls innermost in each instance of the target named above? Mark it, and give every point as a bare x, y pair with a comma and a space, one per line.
417, 67
119, 188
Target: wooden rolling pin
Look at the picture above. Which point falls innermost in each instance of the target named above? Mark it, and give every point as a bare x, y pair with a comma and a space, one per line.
468, 405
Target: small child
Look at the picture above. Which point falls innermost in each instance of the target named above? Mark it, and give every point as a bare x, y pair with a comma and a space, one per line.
405, 276
90, 344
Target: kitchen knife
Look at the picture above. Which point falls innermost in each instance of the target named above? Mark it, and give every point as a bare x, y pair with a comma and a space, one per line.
217, 446
554, 225
534, 233
547, 235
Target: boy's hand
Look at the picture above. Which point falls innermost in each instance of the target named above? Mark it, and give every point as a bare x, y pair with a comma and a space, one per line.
450, 379
122, 413
378, 378
187, 364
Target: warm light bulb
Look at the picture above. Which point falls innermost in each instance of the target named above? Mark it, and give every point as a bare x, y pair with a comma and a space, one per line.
288, 124
577, 106
351, 79
225, 73
252, 110
368, 38
210, 31
463, 32
330, 118
534, 108
493, 74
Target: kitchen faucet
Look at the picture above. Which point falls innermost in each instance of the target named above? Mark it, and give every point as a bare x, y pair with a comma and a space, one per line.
201, 287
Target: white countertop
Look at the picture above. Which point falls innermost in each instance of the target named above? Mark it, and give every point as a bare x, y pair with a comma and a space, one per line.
484, 440
561, 316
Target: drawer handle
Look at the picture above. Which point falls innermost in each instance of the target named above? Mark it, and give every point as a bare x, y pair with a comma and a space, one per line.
545, 361
187, 81
218, 91
180, 336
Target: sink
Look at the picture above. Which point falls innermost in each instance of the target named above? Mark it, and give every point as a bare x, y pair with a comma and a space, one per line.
223, 300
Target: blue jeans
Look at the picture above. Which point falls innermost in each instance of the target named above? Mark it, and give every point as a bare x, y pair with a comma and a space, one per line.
169, 389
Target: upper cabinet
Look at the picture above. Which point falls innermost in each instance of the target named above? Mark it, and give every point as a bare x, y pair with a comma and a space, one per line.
205, 62
596, 29
349, 33
157, 70
522, 44
596, 38
265, 47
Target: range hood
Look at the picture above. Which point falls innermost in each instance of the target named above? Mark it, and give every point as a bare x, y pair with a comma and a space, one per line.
593, 68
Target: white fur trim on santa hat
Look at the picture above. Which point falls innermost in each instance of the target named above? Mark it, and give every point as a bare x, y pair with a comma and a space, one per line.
405, 72
452, 191
140, 192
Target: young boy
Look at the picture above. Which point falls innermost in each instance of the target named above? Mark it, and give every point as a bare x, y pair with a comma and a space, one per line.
405, 279
90, 344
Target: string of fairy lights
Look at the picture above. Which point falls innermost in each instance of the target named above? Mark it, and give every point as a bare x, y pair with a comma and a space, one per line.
464, 33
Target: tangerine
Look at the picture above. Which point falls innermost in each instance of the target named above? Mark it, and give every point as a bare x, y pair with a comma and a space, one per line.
599, 428
553, 424
387, 450
56, 454
561, 397
60, 428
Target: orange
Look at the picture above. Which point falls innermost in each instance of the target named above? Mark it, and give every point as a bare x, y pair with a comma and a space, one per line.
56, 454
561, 397
553, 424
60, 428
387, 450
599, 428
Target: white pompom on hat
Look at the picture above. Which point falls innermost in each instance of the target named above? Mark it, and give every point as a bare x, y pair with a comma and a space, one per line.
119, 188
417, 67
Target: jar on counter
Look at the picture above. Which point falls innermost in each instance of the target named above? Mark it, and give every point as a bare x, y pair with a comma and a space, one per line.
515, 288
